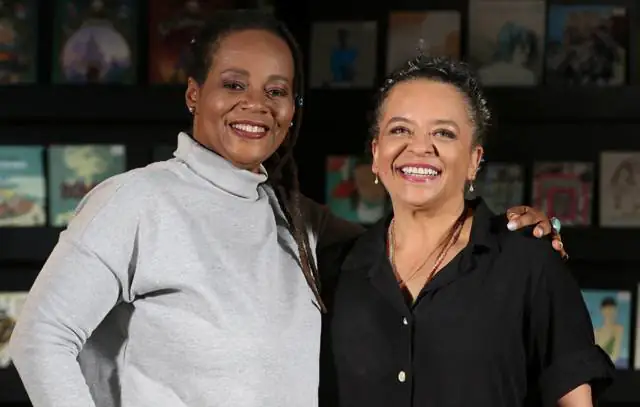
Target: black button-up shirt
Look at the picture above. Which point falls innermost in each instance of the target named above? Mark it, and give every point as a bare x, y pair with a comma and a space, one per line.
503, 324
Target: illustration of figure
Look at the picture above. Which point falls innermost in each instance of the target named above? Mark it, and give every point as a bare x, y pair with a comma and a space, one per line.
515, 57
7, 323
343, 59
588, 52
610, 334
19, 210
624, 187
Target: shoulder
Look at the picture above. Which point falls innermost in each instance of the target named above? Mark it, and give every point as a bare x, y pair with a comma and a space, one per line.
121, 197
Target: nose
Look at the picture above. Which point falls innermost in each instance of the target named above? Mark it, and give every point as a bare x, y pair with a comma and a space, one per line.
254, 101
422, 144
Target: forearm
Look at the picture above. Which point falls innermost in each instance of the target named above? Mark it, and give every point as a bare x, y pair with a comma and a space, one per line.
578, 397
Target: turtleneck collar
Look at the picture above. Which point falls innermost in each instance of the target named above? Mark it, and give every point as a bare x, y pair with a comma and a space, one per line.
217, 170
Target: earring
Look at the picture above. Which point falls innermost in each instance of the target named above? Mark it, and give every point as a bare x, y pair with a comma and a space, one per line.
291, 124
191, 109
471, 188
376, 180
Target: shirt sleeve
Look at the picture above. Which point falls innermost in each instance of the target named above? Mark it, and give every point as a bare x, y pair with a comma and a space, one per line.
563, 345
86, 275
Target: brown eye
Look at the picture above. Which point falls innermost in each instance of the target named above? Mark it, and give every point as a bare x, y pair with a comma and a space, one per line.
399, 130
277, 92
233, 85
445, 133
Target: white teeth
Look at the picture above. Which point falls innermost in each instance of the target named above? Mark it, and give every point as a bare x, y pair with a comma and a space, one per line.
249, 128
420, 171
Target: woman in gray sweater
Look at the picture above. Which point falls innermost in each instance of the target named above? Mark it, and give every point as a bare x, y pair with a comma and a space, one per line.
179, 284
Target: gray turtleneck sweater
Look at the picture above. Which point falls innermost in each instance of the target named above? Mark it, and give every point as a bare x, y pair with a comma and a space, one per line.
175, 285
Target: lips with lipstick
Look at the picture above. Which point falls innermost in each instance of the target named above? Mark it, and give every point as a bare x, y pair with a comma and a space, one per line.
249, 129
419, 173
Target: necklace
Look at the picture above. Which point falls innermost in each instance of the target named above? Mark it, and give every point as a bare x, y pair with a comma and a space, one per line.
453, 238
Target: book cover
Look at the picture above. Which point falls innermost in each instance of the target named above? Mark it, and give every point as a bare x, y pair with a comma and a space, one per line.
95, 41
619, 189
343, 54
434, 33
172, 26
18, 42
351, 191
501, 186
610, 312
564, 190
10, 306
506, 41
587, 45
636, 361
74, 170
22, 186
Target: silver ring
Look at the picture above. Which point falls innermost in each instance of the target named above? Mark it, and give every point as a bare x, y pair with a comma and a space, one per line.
555, 224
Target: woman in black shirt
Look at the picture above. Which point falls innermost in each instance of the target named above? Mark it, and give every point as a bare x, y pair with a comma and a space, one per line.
439, 304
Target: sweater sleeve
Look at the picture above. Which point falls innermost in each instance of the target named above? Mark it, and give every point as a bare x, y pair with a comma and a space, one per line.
86, 275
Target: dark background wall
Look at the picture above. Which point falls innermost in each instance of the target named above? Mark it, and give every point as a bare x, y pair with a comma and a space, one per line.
542, 123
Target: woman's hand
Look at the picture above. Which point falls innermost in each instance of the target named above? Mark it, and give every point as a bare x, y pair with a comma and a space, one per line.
523, 216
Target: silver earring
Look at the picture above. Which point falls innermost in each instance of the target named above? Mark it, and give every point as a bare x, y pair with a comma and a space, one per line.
291, 124
376, 180
191, 109
471, 188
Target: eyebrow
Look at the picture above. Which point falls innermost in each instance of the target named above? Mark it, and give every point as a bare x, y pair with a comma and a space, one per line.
244, 72
441, 122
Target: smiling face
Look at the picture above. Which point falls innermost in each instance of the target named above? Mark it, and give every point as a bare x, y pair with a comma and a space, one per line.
244, 108
424, 152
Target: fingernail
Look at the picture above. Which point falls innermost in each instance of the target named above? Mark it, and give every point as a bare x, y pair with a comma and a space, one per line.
560, 245
512, 226
537, 232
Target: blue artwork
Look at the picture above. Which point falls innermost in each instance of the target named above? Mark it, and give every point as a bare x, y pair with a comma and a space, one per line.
610, 312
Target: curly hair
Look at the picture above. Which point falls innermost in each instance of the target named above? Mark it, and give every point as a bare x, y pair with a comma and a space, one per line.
281, 167
440, 69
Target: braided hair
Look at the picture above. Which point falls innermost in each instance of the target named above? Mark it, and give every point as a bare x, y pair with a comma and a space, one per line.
281, 167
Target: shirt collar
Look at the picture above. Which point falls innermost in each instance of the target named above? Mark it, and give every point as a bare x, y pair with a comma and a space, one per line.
217, 170
371, 247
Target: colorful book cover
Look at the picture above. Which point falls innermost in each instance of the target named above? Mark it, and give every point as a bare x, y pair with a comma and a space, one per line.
18, 42
506, 41
22, 186
433, 33
10, 306
587, 45
343, 54
619, 189
74, 170
564, 190
501, 186
95, 41
636, 363
610, 312
351, 191
163, 152
172, 25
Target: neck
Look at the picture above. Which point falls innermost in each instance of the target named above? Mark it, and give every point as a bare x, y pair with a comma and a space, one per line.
425, 227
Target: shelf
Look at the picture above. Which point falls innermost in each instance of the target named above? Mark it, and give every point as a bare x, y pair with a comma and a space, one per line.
92, 103
27, 245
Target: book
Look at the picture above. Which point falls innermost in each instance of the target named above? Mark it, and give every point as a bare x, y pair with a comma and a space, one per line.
95, 41
74, 170
619, 189
22, 186
11, 304
18, 42
432, 33
501, 186
564, 190
587, 45
343, 54
610, 312
172, 26
506, 41
351, 192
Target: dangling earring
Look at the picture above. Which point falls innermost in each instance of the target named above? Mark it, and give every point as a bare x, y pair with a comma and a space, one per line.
471, 188
291, 124
376, 180
191, 109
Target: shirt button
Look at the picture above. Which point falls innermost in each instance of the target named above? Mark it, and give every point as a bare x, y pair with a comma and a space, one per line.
404, 321
402, 376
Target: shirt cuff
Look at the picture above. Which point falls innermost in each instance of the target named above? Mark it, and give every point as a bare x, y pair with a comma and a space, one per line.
587, 366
